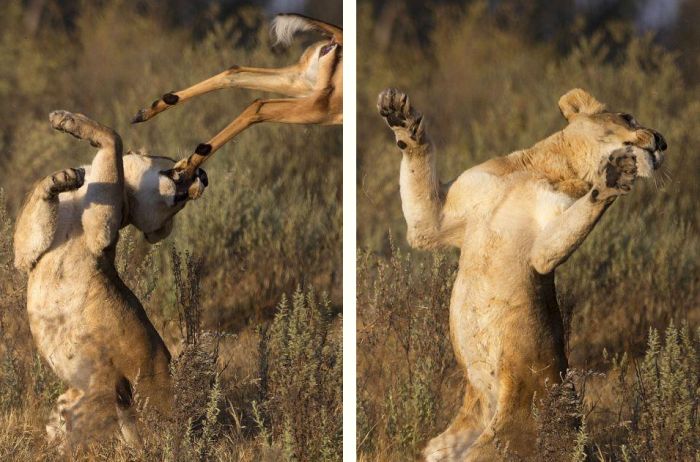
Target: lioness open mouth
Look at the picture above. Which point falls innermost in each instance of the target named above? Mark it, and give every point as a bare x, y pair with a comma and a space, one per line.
657, 159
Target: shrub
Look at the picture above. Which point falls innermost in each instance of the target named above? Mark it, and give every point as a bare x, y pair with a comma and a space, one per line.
301, 379
404, 353
665, 401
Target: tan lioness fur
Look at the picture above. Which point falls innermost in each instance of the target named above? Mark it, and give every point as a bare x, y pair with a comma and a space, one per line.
515, 219
313, 88
87, 324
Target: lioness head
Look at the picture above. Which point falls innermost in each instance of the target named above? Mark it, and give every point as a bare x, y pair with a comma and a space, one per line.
598, 131
155, 193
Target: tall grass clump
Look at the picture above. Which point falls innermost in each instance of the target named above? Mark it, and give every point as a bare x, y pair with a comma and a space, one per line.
301, 379
404, 355
664, 405
560, 419
194, 432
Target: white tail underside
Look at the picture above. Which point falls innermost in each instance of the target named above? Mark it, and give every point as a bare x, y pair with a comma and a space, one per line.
284, 27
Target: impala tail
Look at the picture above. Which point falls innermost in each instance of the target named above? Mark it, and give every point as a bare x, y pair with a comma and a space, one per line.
285, 26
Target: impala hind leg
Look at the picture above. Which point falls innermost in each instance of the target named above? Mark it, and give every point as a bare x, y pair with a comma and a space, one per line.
288, 81
295, 81
312, 110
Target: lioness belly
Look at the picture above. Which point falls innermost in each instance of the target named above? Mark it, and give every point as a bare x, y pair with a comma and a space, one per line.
56, 302
59, 331
494, 287
480, 320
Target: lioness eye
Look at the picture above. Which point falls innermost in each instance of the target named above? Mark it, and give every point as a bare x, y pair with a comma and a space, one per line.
629, 119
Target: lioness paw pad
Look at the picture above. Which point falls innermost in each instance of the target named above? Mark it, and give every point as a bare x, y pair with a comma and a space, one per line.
395, 107
81, 127
621, 169
63, 121
67, 180
617, 174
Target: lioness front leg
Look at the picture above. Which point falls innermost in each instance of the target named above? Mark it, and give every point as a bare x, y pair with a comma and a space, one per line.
563, 235
36, 224
105, 194
420, 190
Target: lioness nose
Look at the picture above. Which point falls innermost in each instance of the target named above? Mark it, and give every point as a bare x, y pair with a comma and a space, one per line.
660, 141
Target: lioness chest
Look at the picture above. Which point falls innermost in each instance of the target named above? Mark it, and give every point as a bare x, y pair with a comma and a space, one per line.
496, 287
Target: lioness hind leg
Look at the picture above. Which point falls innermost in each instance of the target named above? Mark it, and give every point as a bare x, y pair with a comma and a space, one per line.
92, 417
453, 444
56, 425
402, 118
126, 413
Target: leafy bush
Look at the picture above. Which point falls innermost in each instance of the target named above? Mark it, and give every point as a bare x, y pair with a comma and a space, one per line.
404, 354
301, 379
665, 398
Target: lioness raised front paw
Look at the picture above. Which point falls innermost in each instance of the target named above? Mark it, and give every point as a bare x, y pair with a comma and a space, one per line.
617, 174
82, 127
66, 122
404, 120
65, 180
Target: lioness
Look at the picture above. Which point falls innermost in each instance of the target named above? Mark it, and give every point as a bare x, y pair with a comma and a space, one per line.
515, 219
87, 324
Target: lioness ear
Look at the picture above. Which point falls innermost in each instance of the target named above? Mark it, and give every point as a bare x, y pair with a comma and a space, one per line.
578, 101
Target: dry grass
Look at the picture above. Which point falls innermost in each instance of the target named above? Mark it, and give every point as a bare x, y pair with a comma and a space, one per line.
271, 393
486, 91
268, 225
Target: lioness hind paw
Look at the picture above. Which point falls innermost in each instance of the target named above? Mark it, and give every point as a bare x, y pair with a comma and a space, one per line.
395, 107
